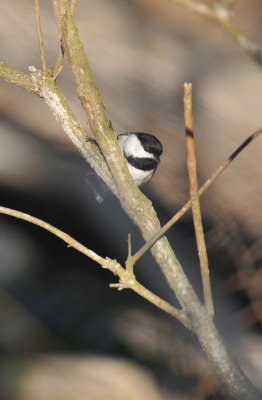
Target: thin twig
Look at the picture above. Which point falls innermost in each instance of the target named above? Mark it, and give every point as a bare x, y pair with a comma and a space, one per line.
222, 14
129, 261
55, 231
129, 246
187, 205
154, 299
194, 196
40, 36
127, 279
59, 62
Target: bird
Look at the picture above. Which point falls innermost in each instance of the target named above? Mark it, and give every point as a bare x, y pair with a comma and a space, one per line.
142, 152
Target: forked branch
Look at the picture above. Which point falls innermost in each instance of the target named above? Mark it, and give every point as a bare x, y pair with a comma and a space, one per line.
127, 279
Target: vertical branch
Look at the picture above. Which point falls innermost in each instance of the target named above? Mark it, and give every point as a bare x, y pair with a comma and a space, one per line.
39, 34
129, 260
194, 195
59, 62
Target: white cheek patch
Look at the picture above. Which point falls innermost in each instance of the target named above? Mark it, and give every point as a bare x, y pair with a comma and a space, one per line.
131, 146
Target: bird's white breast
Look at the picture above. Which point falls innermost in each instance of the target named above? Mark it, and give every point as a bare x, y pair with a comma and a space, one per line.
140, 177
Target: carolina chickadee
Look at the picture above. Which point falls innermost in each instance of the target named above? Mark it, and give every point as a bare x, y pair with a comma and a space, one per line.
142, 152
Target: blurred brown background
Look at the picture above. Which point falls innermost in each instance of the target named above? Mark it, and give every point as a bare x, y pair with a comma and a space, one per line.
57, 313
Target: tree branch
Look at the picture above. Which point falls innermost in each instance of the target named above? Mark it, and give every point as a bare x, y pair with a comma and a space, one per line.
16, 77
221, 13
91, 99
40, 35
195, 203
127, 279
59, 62
44, 86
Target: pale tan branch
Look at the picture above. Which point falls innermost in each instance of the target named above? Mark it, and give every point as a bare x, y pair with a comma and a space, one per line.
59, 62
55, 231
16, 77
47, 89
91, 100
43, 85
127, 279
194, 196
40, 35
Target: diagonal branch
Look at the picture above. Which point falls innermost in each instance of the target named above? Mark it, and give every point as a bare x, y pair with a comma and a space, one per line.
71, 242
221, 13
91, 100
202, 190
44, 86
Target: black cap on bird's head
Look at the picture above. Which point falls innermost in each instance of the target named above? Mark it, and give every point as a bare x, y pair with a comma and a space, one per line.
150, 143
